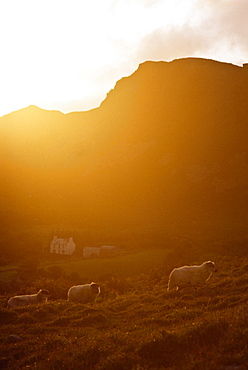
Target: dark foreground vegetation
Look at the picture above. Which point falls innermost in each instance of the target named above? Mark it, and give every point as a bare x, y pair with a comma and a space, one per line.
135, 324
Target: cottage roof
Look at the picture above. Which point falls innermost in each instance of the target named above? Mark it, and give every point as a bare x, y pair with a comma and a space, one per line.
108, 247
60, 240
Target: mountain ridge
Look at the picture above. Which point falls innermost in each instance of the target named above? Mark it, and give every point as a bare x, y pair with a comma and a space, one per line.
165, 150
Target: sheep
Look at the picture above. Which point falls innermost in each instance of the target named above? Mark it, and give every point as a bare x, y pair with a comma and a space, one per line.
26, 300
191, 275
83, 293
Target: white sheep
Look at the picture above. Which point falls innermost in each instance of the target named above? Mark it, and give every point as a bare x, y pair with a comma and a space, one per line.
83, 293
190, 275
26, 300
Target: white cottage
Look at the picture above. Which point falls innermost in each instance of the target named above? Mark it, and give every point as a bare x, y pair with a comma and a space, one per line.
62, 246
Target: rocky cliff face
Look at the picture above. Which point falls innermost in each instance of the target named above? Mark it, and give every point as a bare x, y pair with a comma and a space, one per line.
166, 150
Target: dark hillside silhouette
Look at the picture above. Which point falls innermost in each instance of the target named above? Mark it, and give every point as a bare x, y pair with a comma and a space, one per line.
165, 153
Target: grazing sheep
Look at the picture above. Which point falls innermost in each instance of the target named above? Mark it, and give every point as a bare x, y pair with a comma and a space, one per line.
26, 300
83, 293
190, 275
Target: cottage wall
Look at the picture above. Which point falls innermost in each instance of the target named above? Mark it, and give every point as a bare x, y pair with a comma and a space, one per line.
62, 246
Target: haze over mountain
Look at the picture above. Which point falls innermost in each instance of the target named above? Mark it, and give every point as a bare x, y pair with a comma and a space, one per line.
165, 153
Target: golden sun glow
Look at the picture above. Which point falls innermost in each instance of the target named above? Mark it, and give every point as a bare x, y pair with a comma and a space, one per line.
68, 55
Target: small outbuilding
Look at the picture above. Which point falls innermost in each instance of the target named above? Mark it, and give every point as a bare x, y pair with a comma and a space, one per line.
103, 251
62, 245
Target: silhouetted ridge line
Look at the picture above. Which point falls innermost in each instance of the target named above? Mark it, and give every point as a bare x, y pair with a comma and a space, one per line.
165, 152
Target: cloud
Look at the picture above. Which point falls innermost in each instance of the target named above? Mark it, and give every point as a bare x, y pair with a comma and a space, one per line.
229, 19
169, 44
218, 30
226, 26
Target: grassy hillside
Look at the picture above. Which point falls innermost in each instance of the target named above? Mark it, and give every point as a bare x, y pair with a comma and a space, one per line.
136, 324
85, 270
8, 273
119, 266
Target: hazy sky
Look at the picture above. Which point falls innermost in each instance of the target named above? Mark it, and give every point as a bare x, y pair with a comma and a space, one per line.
67, 54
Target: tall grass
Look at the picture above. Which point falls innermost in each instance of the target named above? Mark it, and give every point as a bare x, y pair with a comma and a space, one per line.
136, 324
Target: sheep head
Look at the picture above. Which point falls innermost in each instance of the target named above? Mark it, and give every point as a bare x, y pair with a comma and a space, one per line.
210, 266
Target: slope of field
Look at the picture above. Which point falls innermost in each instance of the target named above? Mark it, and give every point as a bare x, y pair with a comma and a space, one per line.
120, 266
7, 273
143, 327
